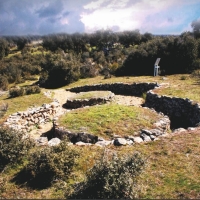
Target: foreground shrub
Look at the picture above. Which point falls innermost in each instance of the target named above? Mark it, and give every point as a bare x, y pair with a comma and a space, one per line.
50, 164
13, 146
110, 178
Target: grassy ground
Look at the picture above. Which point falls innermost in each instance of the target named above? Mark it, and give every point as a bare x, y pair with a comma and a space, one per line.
107, 120
173, 164
172, 170
180, 85
92, 94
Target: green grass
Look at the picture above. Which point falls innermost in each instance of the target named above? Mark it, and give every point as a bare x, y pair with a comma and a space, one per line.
92, 94
109, 119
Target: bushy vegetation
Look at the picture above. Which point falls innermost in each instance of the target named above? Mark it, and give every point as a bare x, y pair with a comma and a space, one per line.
20, 91
50, 164
13, 146
64, 58
111, 177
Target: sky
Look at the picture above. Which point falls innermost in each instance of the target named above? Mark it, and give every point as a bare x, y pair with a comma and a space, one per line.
42, 17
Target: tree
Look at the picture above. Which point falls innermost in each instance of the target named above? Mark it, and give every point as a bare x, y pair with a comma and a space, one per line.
4, 49
196, 28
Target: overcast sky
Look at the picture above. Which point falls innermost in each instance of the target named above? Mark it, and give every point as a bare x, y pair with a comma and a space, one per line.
22, 17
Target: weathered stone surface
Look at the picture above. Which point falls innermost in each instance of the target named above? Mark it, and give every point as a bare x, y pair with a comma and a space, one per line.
179, 130
120, 141
54, 142
145, 137
82, 144
42, 141
138, 140
130, 142
103, 143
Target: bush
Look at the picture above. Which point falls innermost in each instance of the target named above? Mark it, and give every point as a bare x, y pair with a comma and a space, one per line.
110, 178
13, 146
50, 164
3, 83
16, 92
33, 89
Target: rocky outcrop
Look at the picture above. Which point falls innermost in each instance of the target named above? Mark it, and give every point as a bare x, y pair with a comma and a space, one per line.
135, 89
25, 121
182, 112
78, 103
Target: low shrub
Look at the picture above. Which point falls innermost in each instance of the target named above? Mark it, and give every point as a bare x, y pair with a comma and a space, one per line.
33, 89
16, 92
113, 178
50, 164
13, 146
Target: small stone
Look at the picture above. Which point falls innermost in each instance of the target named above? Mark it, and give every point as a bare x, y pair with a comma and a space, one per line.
130, 142
42, 140
179, 130
54, 142
103, 143
145, 137
83, 144
120, 141
138, 140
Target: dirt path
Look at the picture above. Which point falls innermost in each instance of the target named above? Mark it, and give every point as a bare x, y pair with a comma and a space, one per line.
61, 95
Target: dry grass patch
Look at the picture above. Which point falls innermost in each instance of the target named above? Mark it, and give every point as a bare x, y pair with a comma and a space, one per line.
107, 120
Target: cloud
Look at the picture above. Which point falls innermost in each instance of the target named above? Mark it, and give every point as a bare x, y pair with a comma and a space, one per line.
21, 17
51, 10
156, 16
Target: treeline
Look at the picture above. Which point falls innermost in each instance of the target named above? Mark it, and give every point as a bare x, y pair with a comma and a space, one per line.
64, 58
178, 55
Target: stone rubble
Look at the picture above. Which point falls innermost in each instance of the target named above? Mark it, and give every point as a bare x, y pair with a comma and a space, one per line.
25, 121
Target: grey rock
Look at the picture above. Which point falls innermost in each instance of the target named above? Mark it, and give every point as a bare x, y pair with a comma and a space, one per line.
156, 132
145, 137
179, 130
130, 142
54, 142
191, 129
83, 144
153, 137
147, 132
42, 140
120, 141
103, 143
138, 140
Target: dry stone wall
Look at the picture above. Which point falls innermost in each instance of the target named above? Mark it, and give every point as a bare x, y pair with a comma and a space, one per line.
135, 89
182, 112
78, 103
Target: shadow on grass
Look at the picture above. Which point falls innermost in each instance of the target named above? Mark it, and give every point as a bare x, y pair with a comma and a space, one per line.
26, 179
